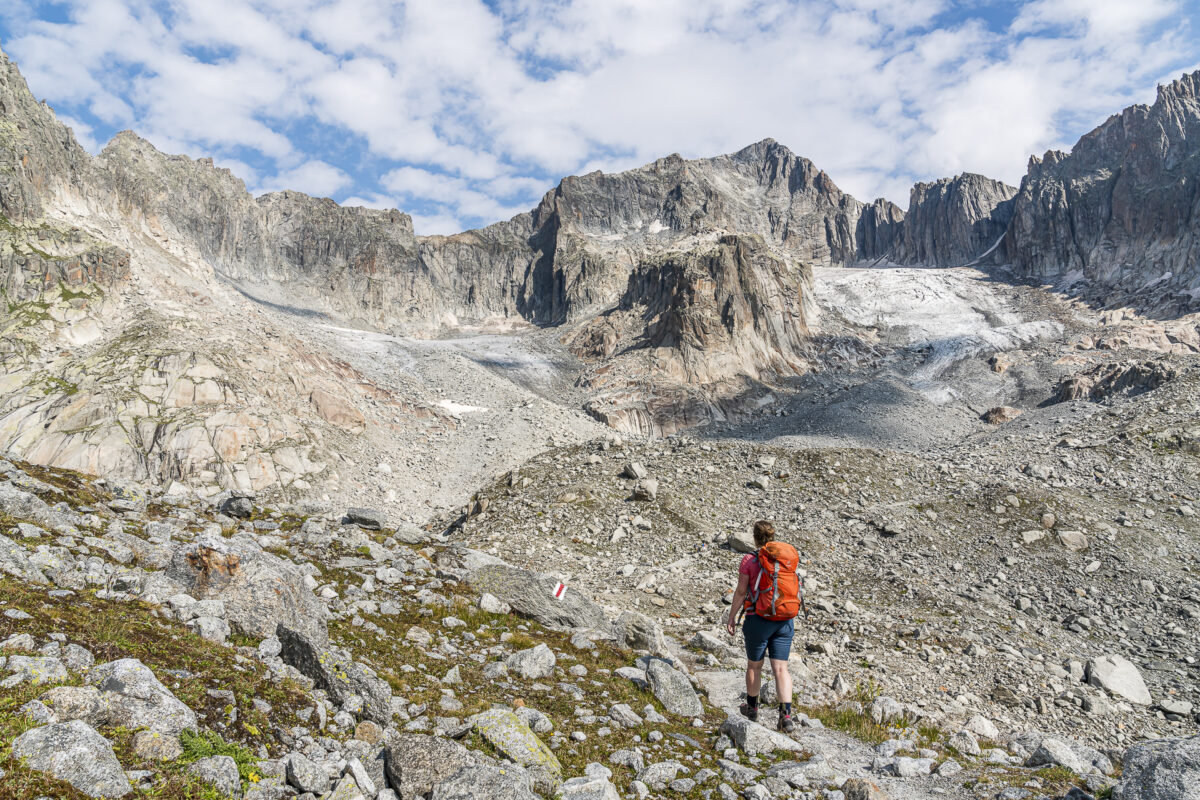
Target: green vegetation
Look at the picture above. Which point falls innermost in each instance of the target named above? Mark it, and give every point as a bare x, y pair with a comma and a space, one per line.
79, 489
207, 743
416, 677
113, 630
51, 384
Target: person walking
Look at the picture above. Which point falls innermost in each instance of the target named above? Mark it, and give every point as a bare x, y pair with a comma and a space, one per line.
768, 593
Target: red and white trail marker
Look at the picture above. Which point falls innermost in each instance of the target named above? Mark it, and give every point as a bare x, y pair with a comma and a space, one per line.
560, 591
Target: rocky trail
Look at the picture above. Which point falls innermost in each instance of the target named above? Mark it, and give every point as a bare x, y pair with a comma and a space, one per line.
153, 647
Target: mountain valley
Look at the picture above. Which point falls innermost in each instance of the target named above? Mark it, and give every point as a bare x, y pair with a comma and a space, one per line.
288, 490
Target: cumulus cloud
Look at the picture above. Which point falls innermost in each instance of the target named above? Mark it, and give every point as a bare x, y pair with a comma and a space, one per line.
312, 177
463, 112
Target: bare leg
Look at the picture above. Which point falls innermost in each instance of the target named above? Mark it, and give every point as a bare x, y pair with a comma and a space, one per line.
783, 680
754, 678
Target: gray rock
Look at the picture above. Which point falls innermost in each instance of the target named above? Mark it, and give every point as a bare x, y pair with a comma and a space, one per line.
338, 675
39, 712
220, 772
306, 776
130, 695
1176, 706
484, 783
537, 721
532, 664
659, 776
20, 643
982, 726
1102, 381
362, 778
905, 767
964, 742
1072, 540
859, 789
1166, 769
639, 632
36, 669
506, 732
621, 714
737, 774
371, 754
77, 658
646, 490
366, 518
213, 629
14, 561
1117, 234
586, 788
238, 506
407, 533
346, 789
753, 739
1075, 756
493, 604
260, 591
886, 709
741, 541
636, 676
628, 758
416, 763
531, 595
75, 753
1118, 676
76, 702
673, 689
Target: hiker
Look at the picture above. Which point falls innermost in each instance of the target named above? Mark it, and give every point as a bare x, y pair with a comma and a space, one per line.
768, 593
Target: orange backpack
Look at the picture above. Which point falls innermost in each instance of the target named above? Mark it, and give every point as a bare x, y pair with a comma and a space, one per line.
775, 594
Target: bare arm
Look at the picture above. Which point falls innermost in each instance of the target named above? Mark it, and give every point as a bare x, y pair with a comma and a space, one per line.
739, 597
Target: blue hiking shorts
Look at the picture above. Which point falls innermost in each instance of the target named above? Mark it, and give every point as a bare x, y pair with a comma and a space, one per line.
768, 637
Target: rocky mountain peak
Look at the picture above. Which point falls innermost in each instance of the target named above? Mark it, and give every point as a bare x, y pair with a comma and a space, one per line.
954, 221
1118, 213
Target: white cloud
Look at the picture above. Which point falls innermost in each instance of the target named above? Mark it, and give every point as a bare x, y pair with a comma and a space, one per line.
312, 177
443, 224
465, 112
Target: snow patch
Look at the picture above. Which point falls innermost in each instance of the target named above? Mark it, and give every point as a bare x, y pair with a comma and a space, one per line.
458, 409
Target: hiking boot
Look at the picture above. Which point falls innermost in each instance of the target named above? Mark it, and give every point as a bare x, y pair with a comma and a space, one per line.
786, 723
749, 712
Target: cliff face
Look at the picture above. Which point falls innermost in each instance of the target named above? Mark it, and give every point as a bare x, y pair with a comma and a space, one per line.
953, 221
39, 161
693, 331
1122, 209
39, 156
569, 257
880, 227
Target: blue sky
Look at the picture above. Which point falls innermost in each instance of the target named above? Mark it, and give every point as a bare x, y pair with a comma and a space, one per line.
463, 112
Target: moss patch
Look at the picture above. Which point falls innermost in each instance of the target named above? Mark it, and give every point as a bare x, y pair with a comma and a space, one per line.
185, 663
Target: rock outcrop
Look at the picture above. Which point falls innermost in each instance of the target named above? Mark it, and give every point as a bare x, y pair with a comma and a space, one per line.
1121, 210
1158, 770
954, 221
1113, 380
718, 316
260, 591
